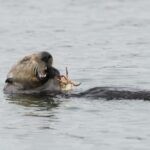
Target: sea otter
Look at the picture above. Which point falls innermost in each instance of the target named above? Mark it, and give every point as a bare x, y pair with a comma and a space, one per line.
33, 73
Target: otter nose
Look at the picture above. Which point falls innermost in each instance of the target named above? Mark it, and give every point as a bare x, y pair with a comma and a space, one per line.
45, 56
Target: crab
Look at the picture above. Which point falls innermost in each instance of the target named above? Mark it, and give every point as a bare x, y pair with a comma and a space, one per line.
66, 84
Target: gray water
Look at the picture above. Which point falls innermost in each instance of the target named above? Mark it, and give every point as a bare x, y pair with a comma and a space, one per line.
103, 43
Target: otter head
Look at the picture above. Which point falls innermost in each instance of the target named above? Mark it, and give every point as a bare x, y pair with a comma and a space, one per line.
32, 71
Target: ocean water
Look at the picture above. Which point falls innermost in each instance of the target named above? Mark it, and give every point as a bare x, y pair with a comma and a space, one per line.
103, 43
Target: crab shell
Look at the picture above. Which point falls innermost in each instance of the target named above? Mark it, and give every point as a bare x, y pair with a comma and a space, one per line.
66, 84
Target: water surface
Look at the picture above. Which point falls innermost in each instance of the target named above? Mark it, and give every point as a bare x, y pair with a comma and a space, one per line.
103, 43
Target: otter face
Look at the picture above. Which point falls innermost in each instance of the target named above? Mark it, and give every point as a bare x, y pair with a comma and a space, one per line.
32, 72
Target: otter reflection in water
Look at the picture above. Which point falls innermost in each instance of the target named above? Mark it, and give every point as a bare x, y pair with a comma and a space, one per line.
35, 74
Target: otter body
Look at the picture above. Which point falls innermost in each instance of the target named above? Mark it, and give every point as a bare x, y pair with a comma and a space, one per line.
33, 73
